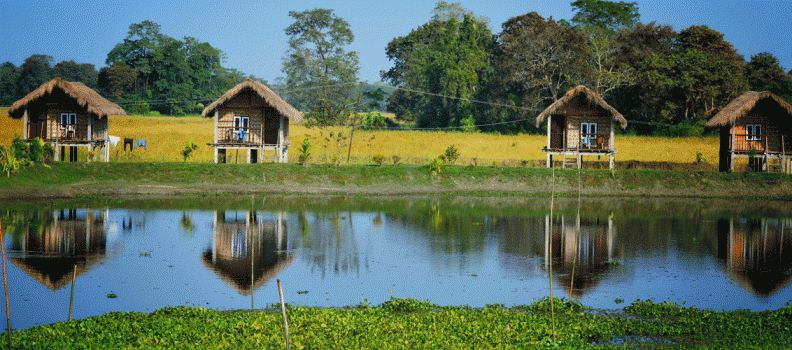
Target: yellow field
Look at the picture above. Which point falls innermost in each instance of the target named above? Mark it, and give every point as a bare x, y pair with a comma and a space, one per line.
167, 135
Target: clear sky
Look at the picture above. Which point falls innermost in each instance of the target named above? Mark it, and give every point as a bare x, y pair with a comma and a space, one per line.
251, 33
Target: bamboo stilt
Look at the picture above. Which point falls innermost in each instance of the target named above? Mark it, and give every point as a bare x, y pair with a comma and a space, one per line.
71, 298
550, 258
283, 310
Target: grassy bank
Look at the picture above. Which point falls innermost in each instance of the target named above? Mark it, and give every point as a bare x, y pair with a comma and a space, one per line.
412, 324
167, 135
63, 179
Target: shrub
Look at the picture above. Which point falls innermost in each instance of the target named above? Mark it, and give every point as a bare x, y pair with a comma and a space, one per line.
20, 148
36, 150
436, 166
378, 159
396, 159
188, 149
451, 154
8, 160
371, 120
305, 151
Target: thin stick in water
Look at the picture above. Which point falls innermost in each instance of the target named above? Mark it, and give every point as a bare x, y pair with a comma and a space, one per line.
71, 298
550, 257
283, 310
5, 285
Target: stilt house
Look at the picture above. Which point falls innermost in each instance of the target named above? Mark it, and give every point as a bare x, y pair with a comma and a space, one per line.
67, 115
578, 124
252, 118
757, 126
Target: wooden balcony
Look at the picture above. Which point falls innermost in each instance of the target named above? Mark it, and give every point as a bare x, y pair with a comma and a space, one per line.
760, 143
594, 143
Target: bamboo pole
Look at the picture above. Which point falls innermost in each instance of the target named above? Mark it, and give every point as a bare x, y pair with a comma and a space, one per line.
354, 121
550, 258
283, 310
5, 285
71, 298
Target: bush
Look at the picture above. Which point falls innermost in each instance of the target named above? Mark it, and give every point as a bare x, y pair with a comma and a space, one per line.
8, 160
686, 128
36, 150
396, 159
372, 120
451, 154
188, 149
378, 159
305, 151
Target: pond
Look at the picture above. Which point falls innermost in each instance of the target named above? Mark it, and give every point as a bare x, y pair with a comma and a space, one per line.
144, 255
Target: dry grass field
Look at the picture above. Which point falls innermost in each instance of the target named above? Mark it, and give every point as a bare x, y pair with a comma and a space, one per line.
167, 135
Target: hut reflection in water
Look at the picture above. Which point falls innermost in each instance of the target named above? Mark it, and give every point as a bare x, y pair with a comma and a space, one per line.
248, 248
757, 253
65, 239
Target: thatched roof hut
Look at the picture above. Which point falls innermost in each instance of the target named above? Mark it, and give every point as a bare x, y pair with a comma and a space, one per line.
83, 95
263, 92
580, 98
746, 104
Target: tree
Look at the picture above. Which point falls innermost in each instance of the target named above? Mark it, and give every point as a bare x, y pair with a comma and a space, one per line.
449, 59
537, 61
608, 15
34, 72
9, 91
316, 64
764, 73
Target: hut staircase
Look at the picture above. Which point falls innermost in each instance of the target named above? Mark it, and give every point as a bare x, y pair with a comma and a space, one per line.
569, 159
773, 163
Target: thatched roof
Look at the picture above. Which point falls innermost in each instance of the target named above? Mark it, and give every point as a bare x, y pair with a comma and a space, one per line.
262, 91
83, 95
744, 105
590, 99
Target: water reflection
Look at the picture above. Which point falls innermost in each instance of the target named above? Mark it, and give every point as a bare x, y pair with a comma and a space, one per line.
248, 248
757, 252
51, 244
330, 243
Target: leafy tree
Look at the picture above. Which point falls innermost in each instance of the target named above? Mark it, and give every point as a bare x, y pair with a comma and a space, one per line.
117, 80
444, 58
537, 61
317, 66
9, 90
608, 15
34, 72
764, 73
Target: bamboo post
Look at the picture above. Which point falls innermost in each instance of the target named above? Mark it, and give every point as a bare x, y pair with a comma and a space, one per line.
550, 258
5, 285
354, 121
283, 310
71, 298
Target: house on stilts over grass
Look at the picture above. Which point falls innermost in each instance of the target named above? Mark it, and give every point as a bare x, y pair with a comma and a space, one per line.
251, 118
578, 124
756, 126
68, 115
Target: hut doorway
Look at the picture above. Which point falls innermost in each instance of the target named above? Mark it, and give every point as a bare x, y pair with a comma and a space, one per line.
38, 128
253, 156
221, 155
557, 123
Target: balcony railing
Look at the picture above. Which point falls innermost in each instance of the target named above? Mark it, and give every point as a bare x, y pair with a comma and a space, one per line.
593, 142
770, 143
239, 135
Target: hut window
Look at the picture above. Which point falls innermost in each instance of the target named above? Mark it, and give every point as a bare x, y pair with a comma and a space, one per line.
753, 132
68, 119
588, 133
241, 122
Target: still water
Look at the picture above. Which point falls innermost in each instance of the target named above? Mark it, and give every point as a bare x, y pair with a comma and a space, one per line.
721, 255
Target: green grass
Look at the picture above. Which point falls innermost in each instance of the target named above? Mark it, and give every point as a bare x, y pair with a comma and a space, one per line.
413, 324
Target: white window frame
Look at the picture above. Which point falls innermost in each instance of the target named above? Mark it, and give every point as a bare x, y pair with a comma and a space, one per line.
241, 122
753, 132
68, 119
590, 128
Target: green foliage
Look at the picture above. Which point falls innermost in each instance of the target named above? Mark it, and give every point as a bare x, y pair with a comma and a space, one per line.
327, 113
111, 295
189, 147
36, 150
650, 308
395, 159
686, 128
20, 147
305, 151
407, 305
8, 160
316, 58
450, 55
436, 166
609, 15
451, 154
371, 121
378, 159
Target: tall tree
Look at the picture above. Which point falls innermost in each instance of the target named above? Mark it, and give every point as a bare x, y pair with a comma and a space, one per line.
447, 58
317, 66
538, 60
9, 90
608, 15
35, 71
764, 73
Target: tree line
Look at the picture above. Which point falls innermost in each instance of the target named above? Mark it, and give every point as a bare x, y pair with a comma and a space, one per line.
454, 72
148, 71
451, 72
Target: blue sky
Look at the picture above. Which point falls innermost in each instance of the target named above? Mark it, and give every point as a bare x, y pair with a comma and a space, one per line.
251, 33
